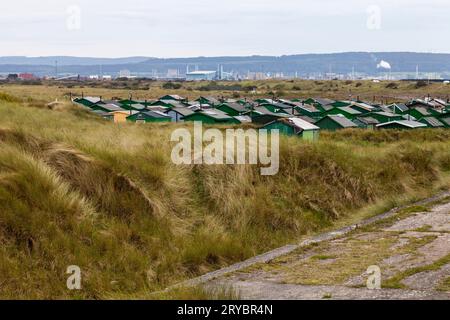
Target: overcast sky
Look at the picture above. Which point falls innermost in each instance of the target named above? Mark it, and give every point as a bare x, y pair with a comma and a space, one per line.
185, 28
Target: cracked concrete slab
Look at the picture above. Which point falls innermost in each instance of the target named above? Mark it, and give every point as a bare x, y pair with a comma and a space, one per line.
435, 220
427, 280
264, 290
335, 266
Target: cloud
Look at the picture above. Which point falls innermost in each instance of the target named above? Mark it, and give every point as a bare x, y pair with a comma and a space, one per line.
174, 28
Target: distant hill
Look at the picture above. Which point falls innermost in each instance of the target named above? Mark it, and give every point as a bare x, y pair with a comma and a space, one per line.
67, 61
362, 62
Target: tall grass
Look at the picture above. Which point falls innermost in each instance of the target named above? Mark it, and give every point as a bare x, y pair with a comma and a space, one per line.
77, 190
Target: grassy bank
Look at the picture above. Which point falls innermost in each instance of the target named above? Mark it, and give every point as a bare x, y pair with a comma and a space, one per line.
77, 190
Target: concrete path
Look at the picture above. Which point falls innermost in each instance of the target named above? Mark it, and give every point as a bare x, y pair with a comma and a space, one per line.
409, 245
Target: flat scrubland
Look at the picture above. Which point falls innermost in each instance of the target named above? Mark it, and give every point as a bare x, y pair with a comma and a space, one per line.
78, 190
385, 91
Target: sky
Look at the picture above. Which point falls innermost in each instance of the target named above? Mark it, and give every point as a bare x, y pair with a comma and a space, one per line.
188, 28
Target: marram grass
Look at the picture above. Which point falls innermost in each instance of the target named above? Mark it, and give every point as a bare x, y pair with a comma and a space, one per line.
77, 190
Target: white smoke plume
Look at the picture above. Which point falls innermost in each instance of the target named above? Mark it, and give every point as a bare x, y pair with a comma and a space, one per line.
384, 65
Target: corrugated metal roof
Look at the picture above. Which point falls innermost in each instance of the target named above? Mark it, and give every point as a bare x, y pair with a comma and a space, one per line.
440, 101
210, 99
243, 119
262, 110
138, 106
419, 102
174, 103
423, 111
408, 117
288, 102
349, 110
111, 107
363, 105
327, 107
368, 120
406, 123
324, 102
235, 106
101, 113
433, 122
155, 114
342, 121
307, 119
158, 108
183, 111
387, 114
216, 114
385, 109
307, 107
266, 100
302, 124
446, 120
277, 105
92, 99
